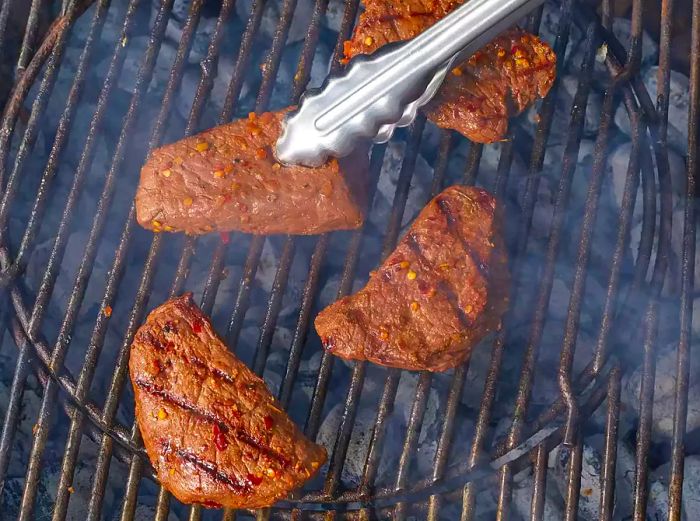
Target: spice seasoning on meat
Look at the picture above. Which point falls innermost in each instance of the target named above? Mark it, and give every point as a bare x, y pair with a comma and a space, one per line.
211, 448
277, 198
411, 325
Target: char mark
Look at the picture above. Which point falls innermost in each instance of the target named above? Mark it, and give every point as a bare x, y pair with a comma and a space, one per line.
169, 347
267, 451
240, 434
444, 287
211, 469
444, 207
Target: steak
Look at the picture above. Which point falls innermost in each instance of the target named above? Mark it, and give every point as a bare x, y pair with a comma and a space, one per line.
477, 98
213, 432
442, 289
226, 179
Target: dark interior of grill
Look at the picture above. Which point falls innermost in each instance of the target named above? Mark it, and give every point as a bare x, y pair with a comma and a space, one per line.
583, 406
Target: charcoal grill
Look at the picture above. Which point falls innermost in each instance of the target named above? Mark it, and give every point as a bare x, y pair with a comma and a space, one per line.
81, 412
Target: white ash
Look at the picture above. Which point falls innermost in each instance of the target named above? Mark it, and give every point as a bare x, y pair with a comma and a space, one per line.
664, 392
678, 103
561, 123
247, 344
110, 31
589, 499
334, 15
359, 443
287, 71
202, 39
267, 266
622, 29
549, 28
308, 373
405, 395
277, 359
46, 489
590, 490
271, 17
419, 192
691, 487
145, 513
479, 363
522, 499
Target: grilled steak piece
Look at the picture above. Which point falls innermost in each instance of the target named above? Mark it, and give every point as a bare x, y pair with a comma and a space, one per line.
227, 179
499, 81
441, 290
213, 432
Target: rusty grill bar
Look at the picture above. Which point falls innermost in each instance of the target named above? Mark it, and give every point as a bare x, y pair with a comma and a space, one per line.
530, 436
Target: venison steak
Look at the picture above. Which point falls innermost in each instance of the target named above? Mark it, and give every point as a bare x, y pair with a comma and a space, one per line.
226, 179
499, 81
212, 430
442, 289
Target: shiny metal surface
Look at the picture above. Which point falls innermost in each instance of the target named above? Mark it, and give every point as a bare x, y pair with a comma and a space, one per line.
377, 94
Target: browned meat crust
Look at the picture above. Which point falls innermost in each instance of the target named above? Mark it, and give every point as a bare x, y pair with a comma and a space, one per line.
213, 432
442, 289
499, 81
226, 179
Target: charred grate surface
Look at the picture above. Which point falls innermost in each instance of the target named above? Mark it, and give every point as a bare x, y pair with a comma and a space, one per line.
601, 235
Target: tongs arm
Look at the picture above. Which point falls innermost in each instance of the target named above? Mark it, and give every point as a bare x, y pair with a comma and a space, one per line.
377, 93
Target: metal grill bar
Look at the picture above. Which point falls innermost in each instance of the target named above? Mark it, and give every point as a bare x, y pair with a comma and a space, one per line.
612, 419
527, 373
680, 411
29, 36
105, 417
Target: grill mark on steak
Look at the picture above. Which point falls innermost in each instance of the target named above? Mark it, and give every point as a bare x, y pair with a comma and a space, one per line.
210, 468
442, 284
209, 417
169, 348
252, 442
231, 444
445, 209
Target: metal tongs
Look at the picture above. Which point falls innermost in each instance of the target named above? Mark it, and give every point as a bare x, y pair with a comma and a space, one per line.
378, 93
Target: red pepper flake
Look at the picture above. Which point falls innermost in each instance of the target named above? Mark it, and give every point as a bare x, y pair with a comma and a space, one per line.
156, 365
260, 153
328, 343
224, 237
197, 326
268, 422
255, 480
210, 504
219, 438
107, 311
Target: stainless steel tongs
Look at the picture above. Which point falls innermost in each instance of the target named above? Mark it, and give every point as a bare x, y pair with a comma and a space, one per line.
383, 91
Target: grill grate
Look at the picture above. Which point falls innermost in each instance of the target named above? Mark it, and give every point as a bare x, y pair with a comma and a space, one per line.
94, 407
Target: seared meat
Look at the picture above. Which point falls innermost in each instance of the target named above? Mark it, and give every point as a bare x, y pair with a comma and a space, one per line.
227, 179
441, 290
499, 81
213, 432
